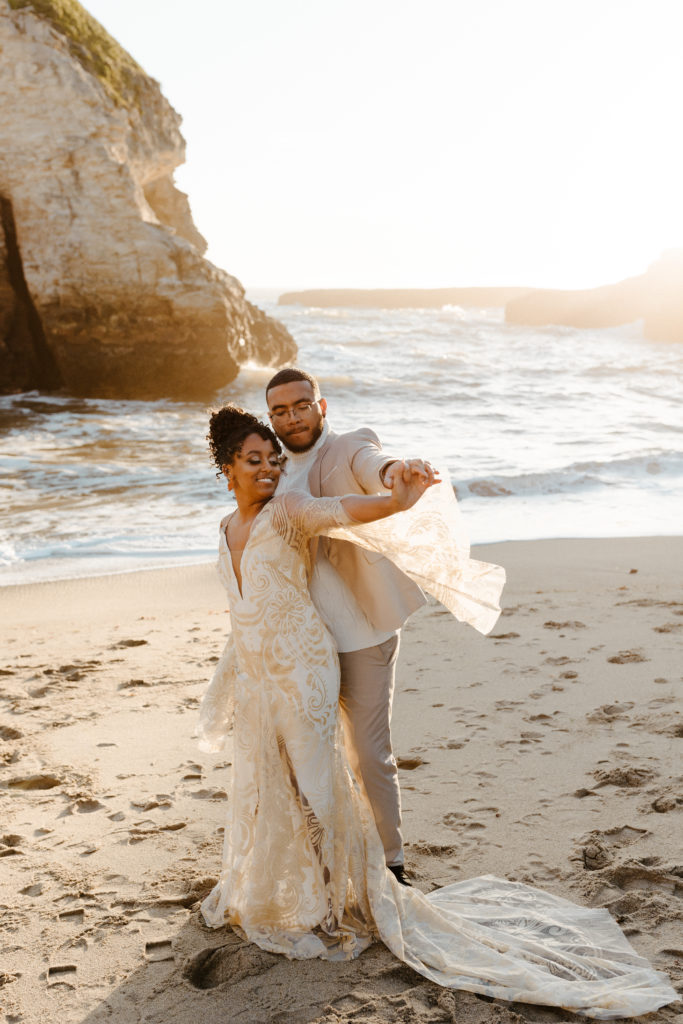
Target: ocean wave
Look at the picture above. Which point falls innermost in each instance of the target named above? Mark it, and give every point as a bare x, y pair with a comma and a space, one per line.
577, 430
655, 469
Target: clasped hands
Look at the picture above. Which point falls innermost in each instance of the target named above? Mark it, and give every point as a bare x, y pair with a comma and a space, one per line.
408, 479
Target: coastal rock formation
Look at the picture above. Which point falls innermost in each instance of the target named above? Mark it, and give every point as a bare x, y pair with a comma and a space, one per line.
656, 297
103, 286
401, 298
664, 312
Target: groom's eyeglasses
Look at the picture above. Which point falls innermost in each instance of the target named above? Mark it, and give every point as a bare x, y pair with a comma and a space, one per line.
298, 410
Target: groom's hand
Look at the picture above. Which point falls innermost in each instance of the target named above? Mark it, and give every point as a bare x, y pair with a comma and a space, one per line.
409, 470
405, 493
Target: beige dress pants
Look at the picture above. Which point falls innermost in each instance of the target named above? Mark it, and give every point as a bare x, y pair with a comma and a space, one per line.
366, 696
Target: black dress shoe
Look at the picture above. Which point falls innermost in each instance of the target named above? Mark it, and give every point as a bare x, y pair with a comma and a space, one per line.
399, 873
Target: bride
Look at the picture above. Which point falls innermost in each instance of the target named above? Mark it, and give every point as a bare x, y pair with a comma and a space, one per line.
303, 868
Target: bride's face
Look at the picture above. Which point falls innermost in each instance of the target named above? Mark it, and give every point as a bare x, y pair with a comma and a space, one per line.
255, 469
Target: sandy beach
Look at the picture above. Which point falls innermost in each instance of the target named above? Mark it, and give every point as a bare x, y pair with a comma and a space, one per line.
547, 752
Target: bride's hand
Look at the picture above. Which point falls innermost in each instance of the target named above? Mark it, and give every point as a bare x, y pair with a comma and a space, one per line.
407, 467
409, 486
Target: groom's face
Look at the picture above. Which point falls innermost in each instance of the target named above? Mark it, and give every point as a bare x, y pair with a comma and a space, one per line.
296, 415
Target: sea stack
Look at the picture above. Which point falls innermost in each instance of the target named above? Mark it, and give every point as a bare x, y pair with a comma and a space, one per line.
104, 290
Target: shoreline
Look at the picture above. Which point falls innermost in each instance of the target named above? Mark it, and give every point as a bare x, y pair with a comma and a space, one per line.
544, 752
190, 561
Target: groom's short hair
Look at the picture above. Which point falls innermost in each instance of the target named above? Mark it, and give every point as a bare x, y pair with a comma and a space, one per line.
290, 374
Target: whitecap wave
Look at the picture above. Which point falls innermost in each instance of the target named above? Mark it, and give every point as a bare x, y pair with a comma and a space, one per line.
541, 430
655, 469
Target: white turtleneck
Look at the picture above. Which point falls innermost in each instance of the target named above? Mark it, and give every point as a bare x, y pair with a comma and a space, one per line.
331, 595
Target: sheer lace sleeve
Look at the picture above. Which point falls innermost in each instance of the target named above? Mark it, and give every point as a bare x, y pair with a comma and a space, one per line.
429, 543
307, 515
218, 704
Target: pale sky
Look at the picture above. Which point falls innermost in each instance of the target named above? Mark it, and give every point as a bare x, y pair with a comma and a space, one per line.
424, 143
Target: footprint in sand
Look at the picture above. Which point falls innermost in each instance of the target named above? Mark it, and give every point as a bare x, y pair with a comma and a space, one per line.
10, 845
635, 876
662, 722
37, 781
542, 872
507, 705
35, 889
596, 856
659, 702
469, 820
138, 834
86, 805
159, 950
62, 974
150, 803
627, 658
669, 801
7, 732
38, 691
440, 850
542, 691
600, 847
573, 624
457, 743
646, 895
74, 916
228, 964
610, 712
615, 838
409, 764
623, 776
525, 739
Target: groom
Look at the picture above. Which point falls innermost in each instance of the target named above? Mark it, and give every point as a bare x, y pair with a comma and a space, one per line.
362, 598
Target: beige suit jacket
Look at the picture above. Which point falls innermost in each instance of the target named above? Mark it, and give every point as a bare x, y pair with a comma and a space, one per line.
350, 464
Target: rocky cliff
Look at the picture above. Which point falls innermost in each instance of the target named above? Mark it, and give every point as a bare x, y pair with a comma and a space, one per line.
103, 286
655, 297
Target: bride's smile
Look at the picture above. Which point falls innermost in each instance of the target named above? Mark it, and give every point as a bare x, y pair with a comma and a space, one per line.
254, 471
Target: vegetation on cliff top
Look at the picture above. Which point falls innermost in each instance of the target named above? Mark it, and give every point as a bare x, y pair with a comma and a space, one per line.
93, 47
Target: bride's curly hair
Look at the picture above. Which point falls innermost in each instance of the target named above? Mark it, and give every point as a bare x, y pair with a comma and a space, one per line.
228, 429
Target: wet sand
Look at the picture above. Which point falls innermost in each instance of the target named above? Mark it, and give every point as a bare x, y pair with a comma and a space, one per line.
547, 752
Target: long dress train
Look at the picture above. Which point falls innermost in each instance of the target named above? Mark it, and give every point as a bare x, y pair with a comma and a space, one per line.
303, 869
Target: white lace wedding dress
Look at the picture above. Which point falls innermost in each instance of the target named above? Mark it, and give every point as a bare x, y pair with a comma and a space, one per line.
303, 868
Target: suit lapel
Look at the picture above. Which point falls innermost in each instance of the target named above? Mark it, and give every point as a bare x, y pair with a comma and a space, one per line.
315, 487
316, 470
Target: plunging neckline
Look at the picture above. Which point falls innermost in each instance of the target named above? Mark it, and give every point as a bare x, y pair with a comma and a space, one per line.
224, 532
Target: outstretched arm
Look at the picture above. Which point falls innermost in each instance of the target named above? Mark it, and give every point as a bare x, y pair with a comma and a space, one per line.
407, 488
298, 511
